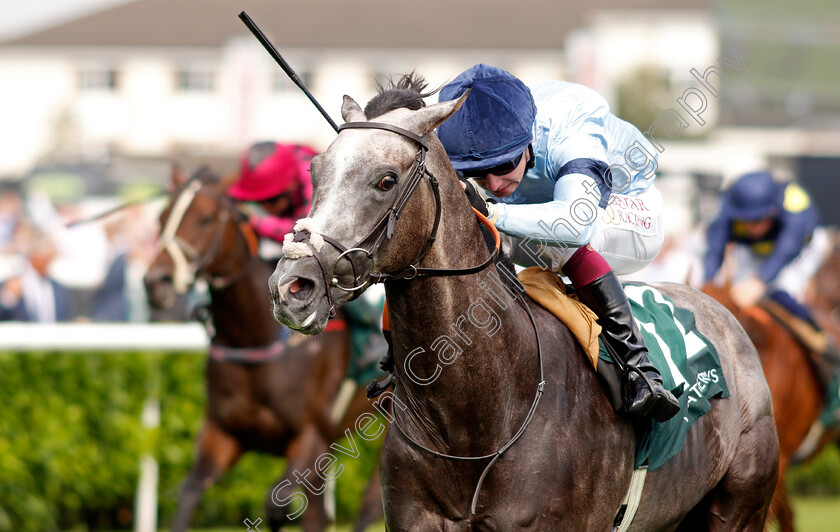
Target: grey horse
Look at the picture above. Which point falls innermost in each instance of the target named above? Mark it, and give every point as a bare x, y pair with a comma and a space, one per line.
499, 422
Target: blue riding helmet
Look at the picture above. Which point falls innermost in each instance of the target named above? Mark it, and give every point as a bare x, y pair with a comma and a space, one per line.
754, 196
493, 125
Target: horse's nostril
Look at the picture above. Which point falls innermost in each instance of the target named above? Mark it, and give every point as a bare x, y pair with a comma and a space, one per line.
301, 289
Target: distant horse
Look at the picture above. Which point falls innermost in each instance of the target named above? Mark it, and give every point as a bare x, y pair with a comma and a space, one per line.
794, 386
823, 296
262, 394
823, 299
500, 423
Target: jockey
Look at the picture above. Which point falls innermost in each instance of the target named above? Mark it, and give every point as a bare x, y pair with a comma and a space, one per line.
276, 176
551, 158
779, 245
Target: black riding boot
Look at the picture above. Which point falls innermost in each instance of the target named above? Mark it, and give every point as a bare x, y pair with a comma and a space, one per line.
644, 394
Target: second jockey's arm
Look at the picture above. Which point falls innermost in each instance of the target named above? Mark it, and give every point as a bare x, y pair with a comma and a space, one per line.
790, 242
568, 220
717, 236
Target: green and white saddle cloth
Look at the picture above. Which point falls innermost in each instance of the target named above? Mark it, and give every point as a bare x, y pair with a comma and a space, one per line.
690, 369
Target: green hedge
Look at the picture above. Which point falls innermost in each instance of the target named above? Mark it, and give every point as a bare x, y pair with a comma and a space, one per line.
71, 441
820, 476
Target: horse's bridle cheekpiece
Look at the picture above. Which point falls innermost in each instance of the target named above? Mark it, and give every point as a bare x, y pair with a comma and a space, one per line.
384, 229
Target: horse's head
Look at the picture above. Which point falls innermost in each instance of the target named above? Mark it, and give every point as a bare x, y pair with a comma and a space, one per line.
202, 235
375, 207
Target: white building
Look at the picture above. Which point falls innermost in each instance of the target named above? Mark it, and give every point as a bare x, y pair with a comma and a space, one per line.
156, 78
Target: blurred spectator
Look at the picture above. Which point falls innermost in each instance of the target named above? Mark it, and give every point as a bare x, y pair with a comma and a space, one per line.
110, 301
33, 296
11, 214
121, 296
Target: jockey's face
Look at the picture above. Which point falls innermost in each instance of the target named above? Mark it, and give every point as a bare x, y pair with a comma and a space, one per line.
758, 228
281, 205
504, 185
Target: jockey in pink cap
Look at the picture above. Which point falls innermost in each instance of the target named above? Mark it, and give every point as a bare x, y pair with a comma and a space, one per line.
277, 177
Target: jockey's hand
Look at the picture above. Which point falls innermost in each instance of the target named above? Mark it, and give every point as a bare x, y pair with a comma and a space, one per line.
747, 293
476, 199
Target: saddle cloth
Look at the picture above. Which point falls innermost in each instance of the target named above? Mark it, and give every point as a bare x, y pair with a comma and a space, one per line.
690, 368
687, 360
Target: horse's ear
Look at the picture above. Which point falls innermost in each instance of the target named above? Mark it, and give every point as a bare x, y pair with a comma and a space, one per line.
429, 118
177, 178
350, 110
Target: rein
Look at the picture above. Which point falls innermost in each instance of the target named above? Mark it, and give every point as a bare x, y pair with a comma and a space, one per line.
528, 417
188, 262
383, 230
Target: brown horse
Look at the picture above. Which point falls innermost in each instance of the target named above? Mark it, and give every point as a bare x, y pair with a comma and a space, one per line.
823, 299
823, 296
794, 386
500, 422
262, 394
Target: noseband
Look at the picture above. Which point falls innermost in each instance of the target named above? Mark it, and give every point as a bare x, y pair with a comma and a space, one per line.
384, 229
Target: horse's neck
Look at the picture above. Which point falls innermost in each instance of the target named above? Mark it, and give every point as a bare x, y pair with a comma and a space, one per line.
241, 311
464, 348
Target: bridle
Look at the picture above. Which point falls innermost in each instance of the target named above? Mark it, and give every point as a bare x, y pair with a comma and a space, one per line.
189, 263
384, 229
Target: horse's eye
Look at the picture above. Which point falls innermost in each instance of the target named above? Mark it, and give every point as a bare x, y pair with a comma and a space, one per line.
387, 182
207, 220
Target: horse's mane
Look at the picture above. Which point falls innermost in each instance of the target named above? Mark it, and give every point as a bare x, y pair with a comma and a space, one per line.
407, 91
206, 175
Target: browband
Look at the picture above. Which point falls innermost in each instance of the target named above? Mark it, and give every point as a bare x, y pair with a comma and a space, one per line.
381, 125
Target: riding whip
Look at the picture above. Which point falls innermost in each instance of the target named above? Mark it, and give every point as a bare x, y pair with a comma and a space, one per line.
272, 51
118, 208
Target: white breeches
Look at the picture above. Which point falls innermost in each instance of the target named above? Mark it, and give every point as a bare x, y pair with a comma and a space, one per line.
629, 234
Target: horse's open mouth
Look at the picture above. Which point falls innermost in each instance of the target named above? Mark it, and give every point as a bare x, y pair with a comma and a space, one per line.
301, 289
298, 301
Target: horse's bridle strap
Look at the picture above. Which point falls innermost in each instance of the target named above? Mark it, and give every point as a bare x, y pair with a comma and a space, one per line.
388, 127
182, 251
384, 228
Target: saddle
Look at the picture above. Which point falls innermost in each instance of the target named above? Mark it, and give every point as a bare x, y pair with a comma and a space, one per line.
824, 354
806, 334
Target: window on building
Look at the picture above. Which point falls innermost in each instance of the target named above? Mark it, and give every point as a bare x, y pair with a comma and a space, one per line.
98, 79
282, 83
195, 80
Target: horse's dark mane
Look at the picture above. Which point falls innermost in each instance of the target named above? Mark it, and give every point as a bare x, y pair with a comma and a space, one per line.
206, 175
405, 92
